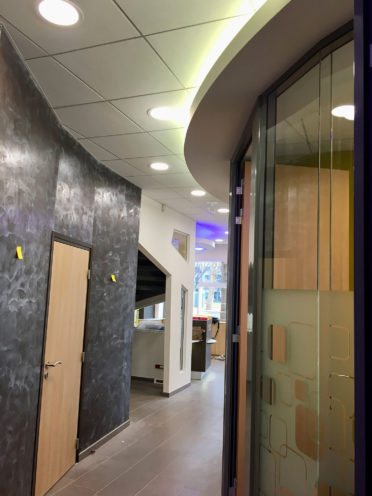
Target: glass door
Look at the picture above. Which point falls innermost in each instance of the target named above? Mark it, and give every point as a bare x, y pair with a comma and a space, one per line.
305, 394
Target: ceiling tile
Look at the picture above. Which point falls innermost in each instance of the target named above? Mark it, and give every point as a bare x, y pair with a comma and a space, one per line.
180, 204
163, 15
144, 181
199, 201
137, 108
26, 46
174, 139
175, 180
190, 52
175, 164
162, 194
73, 133
95, 150
132, 145
122, 168
59, 85
128, 68
102, 22
96, 119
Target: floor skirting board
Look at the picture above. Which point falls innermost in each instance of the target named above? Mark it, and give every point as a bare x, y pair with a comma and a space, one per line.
172, 393
83, 454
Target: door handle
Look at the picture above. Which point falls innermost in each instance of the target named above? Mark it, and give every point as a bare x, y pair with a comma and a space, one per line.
47, 365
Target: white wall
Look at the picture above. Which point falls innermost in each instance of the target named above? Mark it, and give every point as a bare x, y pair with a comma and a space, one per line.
155, 241
217, 254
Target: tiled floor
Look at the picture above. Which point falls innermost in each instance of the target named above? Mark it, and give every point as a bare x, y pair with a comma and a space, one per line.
173, 446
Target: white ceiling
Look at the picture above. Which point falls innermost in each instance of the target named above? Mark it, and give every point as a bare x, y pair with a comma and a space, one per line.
125, 57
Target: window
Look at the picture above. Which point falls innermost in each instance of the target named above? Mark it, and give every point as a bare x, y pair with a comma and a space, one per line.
210, 289
180, 241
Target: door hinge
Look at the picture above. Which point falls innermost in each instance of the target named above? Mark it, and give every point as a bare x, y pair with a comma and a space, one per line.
238, 220
77, 443
82, 356
235, 338
239, 190
88, 275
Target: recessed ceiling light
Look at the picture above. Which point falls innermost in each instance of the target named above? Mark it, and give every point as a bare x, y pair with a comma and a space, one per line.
218, 240
60, 12
198, 192
223, 210
345, 111
199, 248
175, 114
226, 232
162, 113
159, 166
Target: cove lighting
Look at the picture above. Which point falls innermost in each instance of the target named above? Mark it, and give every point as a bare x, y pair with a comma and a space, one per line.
60, 12
345, 111
159, 166
198, 192
223, 210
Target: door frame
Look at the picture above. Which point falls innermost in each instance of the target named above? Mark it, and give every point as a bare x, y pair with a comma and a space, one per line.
61, 238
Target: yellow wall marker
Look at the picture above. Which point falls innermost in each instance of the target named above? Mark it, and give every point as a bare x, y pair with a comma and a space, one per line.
113, 278
19, 252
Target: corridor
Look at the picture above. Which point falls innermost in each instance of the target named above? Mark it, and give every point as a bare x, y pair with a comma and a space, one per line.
172, 447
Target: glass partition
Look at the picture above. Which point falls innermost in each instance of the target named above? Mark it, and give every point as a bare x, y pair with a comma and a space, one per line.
306, 433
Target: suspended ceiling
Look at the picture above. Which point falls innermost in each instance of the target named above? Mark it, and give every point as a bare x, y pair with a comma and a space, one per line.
125, 57
268, 45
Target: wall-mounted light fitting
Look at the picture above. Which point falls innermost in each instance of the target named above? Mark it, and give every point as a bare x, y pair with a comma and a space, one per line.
59, 12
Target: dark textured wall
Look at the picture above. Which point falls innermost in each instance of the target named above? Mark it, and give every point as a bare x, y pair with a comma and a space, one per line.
49, 182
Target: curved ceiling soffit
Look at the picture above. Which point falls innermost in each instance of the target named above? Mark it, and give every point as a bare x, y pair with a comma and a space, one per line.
272, 41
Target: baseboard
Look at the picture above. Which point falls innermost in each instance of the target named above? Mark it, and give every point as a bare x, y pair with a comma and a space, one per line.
168, 395
142, 379
83, 454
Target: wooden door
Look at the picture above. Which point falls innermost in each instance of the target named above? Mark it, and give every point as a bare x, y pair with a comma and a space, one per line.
243, 323
63, 349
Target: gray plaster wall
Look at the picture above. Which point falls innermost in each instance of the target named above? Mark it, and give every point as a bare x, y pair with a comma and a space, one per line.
48, 182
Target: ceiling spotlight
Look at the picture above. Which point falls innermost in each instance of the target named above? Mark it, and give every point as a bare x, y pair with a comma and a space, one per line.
226, 232
175, 114
198, 192
218, 240
159, 166
223, 210
162, 113
199, 248
345, 111
60, 12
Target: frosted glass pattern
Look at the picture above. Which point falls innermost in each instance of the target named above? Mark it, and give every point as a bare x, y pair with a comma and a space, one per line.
306, 324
